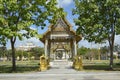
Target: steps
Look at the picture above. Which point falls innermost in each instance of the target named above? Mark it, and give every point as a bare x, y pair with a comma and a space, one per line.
60, 64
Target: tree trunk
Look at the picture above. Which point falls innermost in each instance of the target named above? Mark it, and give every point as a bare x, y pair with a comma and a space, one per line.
111, 57
13, 53
112, 38
111, 43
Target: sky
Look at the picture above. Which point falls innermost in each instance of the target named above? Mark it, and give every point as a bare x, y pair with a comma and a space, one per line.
67, 5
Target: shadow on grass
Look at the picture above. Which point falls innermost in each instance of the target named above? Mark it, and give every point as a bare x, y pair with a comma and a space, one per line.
101, 67
20, 69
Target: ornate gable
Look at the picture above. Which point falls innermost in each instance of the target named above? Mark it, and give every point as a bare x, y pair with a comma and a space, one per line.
60, 26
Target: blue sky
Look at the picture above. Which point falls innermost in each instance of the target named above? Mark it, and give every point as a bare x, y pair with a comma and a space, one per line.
68, 5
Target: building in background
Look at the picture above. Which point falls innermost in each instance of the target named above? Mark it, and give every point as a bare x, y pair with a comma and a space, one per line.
26, 47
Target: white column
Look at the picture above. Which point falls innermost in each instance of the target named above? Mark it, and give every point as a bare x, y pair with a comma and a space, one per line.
46, 50
75, 47
71, 50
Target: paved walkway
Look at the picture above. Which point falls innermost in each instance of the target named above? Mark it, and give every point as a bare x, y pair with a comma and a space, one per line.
62, 73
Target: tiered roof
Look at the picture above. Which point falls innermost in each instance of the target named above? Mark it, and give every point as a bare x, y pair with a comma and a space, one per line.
62, 25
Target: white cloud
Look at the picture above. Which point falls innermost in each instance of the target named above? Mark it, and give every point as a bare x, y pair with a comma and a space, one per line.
62, 3
117, 39
87, 44
66, 2
22, 31
36, 41
74, 26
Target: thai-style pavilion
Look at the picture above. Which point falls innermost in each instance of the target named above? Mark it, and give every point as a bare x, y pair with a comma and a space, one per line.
60, 40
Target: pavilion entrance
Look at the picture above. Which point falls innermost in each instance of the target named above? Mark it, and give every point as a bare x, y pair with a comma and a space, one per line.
61, 54
60, 41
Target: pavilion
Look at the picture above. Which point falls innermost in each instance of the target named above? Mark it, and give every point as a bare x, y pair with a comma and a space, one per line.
60, 40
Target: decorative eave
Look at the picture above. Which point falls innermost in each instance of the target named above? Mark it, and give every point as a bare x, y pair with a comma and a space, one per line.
78, 38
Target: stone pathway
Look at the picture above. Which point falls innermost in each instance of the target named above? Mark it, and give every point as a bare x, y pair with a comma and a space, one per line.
62, 72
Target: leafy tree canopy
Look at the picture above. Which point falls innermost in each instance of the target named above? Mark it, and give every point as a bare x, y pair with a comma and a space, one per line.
98, 20
16, 17
82, 50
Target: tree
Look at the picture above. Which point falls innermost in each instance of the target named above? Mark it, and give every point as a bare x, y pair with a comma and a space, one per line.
92, 54
116, 48
3, 52
95, 53
21, 54
37, 52
82, 51
104, 52
16, 17
98, 20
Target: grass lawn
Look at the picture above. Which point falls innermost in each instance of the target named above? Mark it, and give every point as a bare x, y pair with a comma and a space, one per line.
103, 65
28, 66
22, 66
